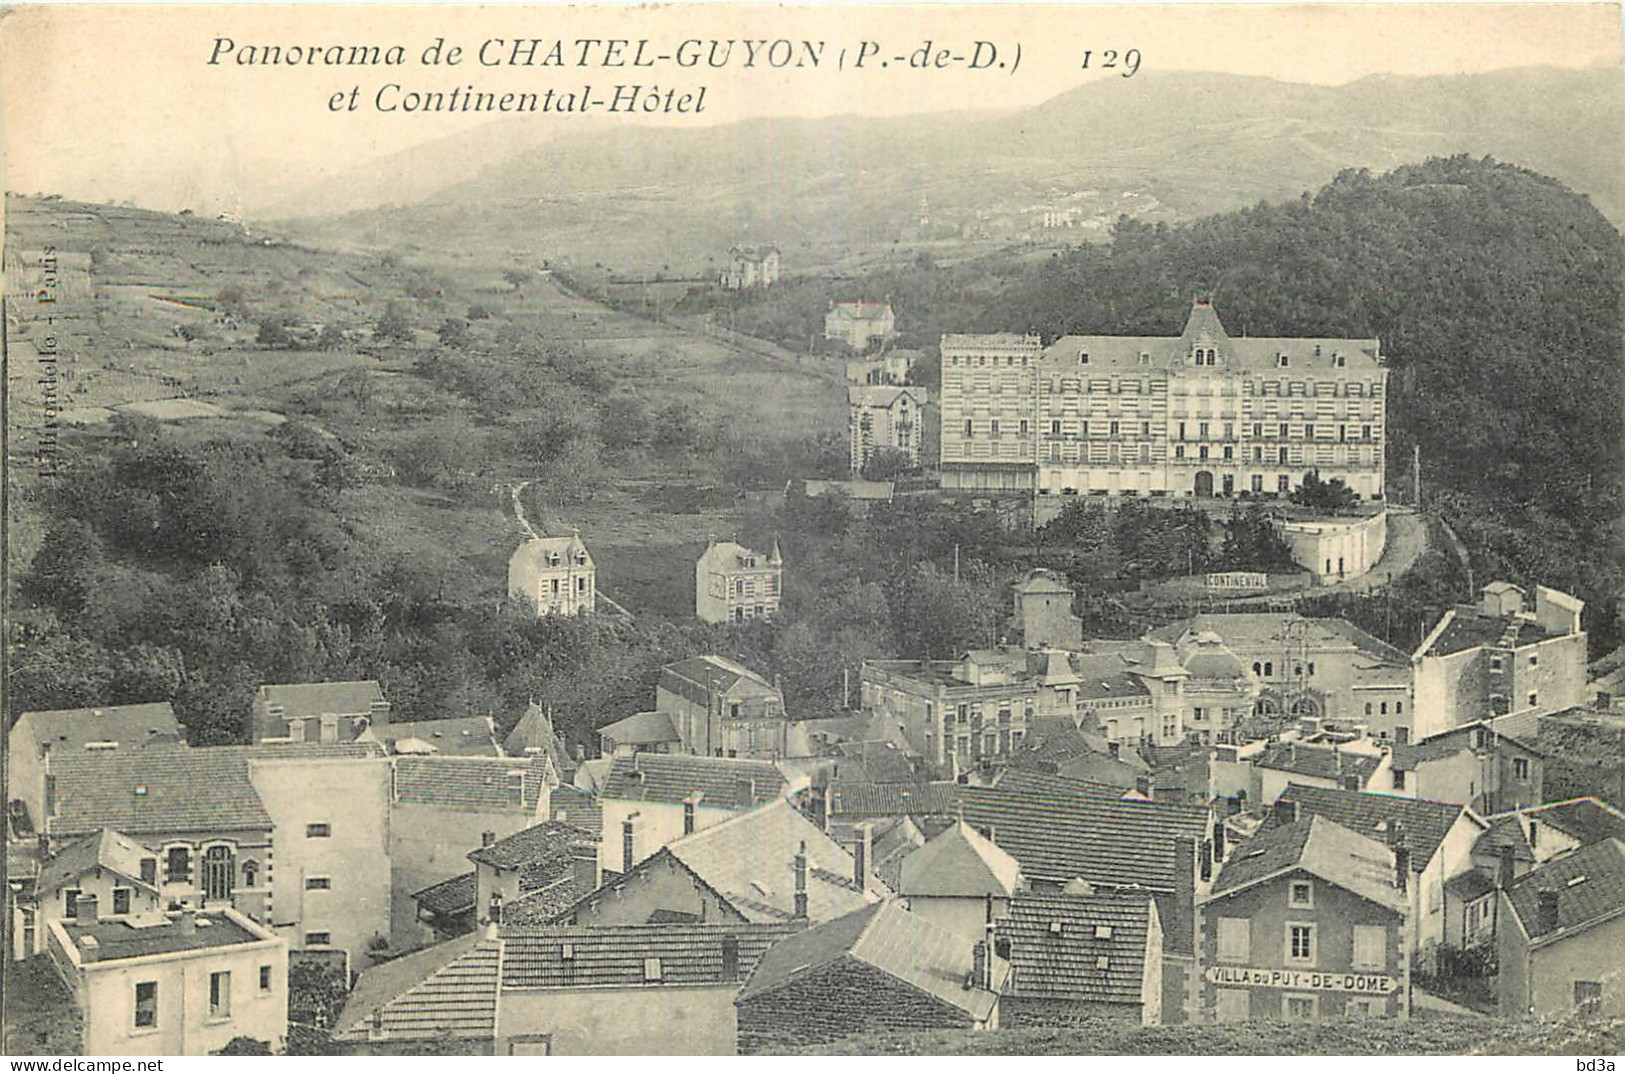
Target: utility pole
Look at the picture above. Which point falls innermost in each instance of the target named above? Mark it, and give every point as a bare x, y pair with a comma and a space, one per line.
956, 563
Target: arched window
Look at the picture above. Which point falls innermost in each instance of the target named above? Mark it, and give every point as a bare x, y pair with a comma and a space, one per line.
251, 872
1306, 706
1266, 707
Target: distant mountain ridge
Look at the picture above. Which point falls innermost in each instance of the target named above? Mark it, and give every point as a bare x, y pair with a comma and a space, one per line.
1200, 142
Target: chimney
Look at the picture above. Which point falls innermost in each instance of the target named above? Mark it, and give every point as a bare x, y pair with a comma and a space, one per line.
981, 972
1534, 829
90, 949
1286, 811
1508, 868
1402, 735
1218, 842
1402, 866
1185, 884
1548, 912
1351, 781
1206, 860
628, 831
744, 793
487, 838
585, 858
801, 883
186, 924
862, 847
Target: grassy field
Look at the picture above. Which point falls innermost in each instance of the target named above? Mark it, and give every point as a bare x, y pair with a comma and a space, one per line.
131, 280
1436, 1035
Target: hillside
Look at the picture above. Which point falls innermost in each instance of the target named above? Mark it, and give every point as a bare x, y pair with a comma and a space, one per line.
1162, 146
1423, 1035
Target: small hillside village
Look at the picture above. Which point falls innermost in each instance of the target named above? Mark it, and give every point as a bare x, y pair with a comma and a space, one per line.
1250, 816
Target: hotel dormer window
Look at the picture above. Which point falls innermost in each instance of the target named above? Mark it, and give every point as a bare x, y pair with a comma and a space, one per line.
1283, 360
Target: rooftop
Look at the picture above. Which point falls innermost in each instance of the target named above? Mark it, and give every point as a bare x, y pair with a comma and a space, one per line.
540, 844
1590, 888
724, 782
959, 862
454, 896
641, 729
715, 673
106, 849
127, 725
479, 784
861, 311
1057, 942
727, 557
143, 935
538, 552
469, 736
1425, 823
1471, 629
1321, 848
1246, 631
888, 938
306, 699
1319, 762
448, 990
883, 395
576, 807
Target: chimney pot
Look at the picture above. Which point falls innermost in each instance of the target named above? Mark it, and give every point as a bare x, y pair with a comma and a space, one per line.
861, 849
1286, 811
487, 838
801, 883
628, 835
980, 975
1547, 901
1402, 736
1508, 867
1402, 867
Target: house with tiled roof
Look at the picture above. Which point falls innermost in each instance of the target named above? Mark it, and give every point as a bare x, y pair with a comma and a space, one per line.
61, 733
467, 736
1307, 921
105, 874
553, 576
563, 990
542, 857
857, 324
766, 864
319, 712
441, 806
1506, 769
1506, 654
1439, 838
891, 841
1077, 958
959, 877
885, 417
720, 708
1043, 611
876, 969
1357, 766
672, 795
733, 583
641, 732
1563, 929
184, 982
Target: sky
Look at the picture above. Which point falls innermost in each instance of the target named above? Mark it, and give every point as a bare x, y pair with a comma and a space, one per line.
116, 102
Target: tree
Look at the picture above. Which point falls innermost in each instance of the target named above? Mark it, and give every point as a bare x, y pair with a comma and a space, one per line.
392, 326
332, 338
623, 423
887, 463
478, 312
1331, 495
676, 427
577, 474
517, 278
245, 1046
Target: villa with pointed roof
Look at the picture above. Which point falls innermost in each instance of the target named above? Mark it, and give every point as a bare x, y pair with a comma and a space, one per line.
732, 583
1115, 414
958, 878
104, 875
720, 708
554, 576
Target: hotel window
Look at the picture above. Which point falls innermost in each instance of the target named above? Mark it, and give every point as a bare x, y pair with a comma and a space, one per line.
1302, 894
1201, 430
1113, 429
1202, 451
318, 939
178, 864
968, 431
318, 883
1258, 479
121, 900
146, 1004
1298, 1008
1179, 451
220, 994
1170, 726
1365, 432
1370, 947
1055, 428
1383, 708
1084, 425
963, 715
1300, 944
265, 978
1023, 428
1281, 455
1182, 430
1534, 699
1308, 430
1269, 668
1145, 428
70, 903
318, 831
1368, 708
1235, 939
1083, 357
1520, 768
994, 431
1229, 452
1534, 660
1399, 708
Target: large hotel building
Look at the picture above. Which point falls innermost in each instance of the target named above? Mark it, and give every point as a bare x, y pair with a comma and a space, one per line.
1201, 413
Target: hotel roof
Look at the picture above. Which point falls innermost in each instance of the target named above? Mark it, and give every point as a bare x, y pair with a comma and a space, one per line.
306, 699
144, 935
723, 782
72, 729
478, 784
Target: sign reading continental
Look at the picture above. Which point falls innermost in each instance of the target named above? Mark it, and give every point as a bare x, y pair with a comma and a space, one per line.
1302, 980
1238, 580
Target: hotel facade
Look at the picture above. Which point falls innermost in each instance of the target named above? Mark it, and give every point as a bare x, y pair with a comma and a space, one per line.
1198, 414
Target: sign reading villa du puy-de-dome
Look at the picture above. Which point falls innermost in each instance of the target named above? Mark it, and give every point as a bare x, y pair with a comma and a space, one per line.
1303, 980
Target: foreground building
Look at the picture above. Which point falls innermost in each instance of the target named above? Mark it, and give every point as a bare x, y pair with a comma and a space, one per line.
1198, 414
1307, 921
181, 983
1562, 929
